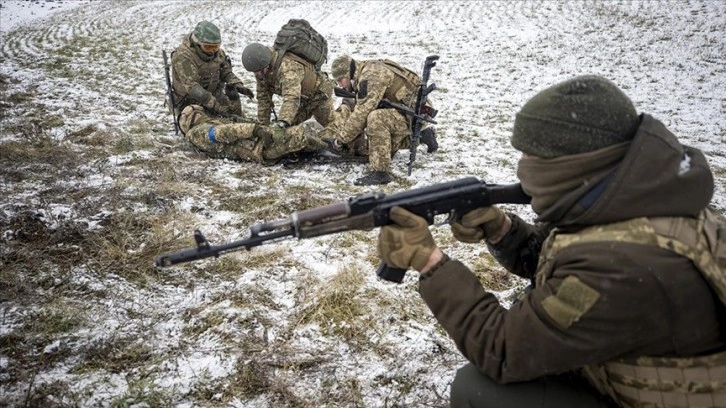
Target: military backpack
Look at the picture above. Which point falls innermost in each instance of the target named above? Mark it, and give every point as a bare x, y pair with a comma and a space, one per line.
301, 39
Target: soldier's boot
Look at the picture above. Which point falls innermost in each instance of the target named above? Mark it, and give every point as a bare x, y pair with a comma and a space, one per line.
428, 137
359, 145
374, 178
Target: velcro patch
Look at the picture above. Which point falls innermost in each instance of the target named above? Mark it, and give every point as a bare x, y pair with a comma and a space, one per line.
573, 299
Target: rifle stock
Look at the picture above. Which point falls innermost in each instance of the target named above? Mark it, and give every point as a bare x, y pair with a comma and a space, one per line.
364, 212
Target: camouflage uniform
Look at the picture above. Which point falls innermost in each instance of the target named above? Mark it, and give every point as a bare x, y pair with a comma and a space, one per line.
305, 92
387, 129
191, 66
600, 306
221, 138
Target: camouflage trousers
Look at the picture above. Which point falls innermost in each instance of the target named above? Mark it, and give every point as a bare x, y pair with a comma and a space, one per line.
356, 147
252, 142
320, 106
388, 132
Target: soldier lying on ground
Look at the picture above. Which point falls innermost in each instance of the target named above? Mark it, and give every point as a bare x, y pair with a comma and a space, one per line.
223, 138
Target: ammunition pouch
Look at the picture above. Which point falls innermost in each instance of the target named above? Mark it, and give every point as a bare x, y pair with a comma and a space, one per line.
308, 84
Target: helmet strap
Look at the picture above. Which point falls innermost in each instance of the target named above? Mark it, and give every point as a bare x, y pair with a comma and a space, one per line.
352, 69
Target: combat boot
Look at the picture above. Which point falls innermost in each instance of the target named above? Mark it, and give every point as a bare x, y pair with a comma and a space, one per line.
428, 137
373, 178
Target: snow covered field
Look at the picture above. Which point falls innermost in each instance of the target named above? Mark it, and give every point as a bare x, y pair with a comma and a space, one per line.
94, 185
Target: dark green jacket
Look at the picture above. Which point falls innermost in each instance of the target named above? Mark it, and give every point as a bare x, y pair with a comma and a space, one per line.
650, 301
190, 66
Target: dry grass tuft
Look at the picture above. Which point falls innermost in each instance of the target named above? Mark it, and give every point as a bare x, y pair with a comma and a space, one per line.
337, 306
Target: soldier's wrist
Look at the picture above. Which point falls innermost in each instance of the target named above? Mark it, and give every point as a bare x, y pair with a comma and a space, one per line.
436, 259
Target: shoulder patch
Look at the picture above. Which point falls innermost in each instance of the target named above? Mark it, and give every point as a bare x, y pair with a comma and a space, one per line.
573, 299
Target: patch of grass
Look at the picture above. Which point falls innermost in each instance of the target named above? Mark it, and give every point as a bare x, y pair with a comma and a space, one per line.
115, 355
142, 393
20, 97
337, 306
200, 324
129, 242
250, 379
54, 318
54, 393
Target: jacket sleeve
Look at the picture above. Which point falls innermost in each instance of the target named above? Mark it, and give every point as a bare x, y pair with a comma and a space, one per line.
226, 75
518, 251
555, 328
184, 72
290, 75
264, 103
376, 81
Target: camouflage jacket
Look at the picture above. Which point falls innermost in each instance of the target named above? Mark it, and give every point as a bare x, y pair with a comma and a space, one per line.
377, 80
190, 66
296, 80
621, 299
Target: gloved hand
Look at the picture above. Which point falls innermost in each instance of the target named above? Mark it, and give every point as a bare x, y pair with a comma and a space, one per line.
481, 223
406, 243
349, 102
244, 90
278, 134
232, 93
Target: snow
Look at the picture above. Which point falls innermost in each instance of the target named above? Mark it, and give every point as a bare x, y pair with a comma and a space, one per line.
667, 56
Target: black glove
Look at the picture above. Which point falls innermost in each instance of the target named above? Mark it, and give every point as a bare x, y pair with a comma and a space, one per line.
244, 91
349, 102
232, 93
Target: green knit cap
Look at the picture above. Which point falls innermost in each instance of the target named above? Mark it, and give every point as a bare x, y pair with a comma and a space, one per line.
582, 114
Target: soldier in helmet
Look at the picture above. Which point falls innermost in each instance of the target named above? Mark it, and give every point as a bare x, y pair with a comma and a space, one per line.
224, 138
202, 74
627, 302
387, 130
306, 92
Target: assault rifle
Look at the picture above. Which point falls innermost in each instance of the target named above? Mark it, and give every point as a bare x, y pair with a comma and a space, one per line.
364, 212
428, 113
422, 93
170, 92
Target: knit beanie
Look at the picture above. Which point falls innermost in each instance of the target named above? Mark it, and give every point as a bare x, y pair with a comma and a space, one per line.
582, 114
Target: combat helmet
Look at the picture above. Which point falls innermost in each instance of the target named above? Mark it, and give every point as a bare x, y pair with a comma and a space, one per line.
256, 57
341, 66
207, 33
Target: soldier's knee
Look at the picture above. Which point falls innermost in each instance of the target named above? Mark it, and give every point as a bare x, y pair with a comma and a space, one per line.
376, 118
469, 388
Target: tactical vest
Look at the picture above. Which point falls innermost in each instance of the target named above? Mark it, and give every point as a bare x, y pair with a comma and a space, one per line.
660, 381
404, 84
208, 70
309, 84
